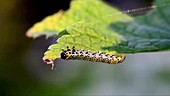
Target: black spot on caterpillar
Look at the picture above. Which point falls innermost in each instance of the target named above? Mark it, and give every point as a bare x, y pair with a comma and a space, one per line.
73, 54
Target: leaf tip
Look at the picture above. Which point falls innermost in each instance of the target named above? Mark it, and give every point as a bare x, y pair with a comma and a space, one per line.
29, 34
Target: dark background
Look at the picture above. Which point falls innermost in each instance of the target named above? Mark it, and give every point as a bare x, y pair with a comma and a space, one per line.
22, 71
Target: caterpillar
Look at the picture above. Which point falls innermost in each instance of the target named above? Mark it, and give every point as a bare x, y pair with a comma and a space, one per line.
91, 56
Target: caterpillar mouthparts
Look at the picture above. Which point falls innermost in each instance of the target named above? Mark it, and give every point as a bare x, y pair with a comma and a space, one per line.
73, 54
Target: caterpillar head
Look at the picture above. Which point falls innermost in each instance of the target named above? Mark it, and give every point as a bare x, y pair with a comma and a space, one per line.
63, 54
67, 54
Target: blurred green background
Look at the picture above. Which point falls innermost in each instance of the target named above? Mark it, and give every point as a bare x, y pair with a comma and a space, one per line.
23, 73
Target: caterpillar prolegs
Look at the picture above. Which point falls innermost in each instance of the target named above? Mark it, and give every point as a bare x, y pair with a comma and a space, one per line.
91, 56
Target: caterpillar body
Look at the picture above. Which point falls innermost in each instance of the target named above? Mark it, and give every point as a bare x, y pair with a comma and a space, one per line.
91, 56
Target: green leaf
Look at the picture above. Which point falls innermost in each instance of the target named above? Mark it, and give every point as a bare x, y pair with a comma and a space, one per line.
146, 33
95, 27
97, 12
85, 27
85, 36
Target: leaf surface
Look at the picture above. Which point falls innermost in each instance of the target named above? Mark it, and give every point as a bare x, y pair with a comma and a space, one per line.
147, 33
99, 27
96, 12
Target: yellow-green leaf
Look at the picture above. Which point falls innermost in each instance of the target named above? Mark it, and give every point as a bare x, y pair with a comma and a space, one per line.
94, 11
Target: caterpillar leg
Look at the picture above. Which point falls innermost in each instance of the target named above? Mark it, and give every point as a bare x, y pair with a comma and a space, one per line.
114, 61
